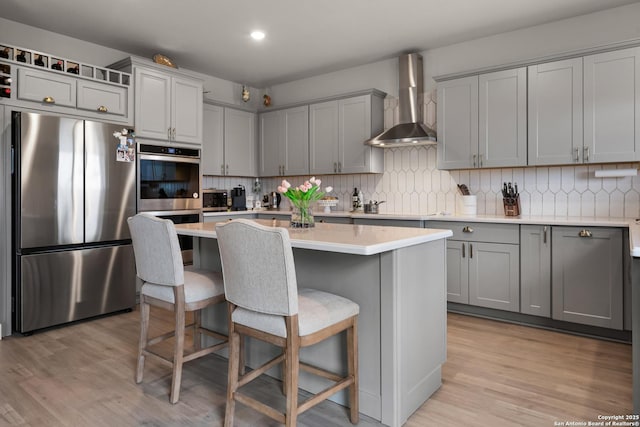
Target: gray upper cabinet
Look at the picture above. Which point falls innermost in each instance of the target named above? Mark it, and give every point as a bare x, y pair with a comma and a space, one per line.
34, 85
240, 149
337, 131
502, 137
535, 270
482, 121
587, 267
457, 123
612, 106
229, 143
284, 142
212, 152
168, 107
555, 113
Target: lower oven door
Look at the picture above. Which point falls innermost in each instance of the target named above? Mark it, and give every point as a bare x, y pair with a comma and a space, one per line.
186, 242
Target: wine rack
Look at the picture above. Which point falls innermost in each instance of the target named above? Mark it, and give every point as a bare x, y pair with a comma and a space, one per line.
57, 64
5, 80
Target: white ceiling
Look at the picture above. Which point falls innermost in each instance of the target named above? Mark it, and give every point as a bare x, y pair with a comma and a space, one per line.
304, 37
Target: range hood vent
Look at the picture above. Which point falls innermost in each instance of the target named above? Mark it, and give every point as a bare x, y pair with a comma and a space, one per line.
410, 131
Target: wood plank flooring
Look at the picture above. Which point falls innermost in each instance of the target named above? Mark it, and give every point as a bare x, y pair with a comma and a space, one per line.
497, 374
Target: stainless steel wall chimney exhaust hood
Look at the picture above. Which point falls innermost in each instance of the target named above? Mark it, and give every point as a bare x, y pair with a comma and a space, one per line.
410, 131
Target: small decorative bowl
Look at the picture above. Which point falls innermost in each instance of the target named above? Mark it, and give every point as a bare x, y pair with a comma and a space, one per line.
328, 203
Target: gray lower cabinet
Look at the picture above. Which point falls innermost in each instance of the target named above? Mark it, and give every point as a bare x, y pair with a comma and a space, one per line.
483, 264
587, 276
389, 222
223, 218
333, 219
535, 270
275, 215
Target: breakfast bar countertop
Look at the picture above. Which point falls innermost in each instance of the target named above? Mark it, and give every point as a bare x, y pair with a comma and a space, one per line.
343, 238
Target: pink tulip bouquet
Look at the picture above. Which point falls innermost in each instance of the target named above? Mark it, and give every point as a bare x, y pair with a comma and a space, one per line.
301, 197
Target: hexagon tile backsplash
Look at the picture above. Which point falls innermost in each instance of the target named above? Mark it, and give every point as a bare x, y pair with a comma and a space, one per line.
411, 184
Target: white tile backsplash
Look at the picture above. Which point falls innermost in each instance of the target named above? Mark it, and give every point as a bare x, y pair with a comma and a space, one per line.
411, 183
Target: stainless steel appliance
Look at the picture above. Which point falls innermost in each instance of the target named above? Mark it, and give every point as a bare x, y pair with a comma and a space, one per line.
168, 178
214, 200
73, 257
169, 187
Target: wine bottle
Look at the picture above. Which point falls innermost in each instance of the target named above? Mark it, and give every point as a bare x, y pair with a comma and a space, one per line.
4, 53
38, 61
74, 69
57, 66
21, 57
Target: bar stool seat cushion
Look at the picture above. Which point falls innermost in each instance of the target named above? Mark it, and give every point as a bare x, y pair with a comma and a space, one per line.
316, 310
198, 285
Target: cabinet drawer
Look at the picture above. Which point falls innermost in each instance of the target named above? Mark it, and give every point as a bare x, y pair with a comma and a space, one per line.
36, 86
102, 98
479, 231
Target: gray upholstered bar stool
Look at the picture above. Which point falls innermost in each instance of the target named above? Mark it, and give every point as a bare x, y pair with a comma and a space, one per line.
167, 284
265, 303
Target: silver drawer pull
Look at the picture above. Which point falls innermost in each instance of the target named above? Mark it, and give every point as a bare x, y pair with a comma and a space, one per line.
585, 233
470, 250
467, 229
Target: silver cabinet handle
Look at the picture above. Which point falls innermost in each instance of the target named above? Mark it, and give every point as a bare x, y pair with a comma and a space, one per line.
339, 166
544, 234
335, 167
474, 160
577, 157
467, 229
463, 254
586, 154
169, 134
173, 134
227, 169
470, 250
222, 169
480, 160
585, 233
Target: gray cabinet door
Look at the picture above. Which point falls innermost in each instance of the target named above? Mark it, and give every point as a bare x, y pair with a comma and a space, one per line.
587, 277
270, 129
535, 270
323, 138
458, 123
240, 149
389, 222
494, 275
355, 124
502, 140
612, 105
294, 150
457, 272
153, 104
212, 154
186, 110
555, 112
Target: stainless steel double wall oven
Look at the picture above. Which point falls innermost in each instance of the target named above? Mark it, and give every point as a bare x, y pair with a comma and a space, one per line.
168, 185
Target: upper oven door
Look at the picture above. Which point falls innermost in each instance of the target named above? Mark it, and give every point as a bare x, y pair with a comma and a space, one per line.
168, 183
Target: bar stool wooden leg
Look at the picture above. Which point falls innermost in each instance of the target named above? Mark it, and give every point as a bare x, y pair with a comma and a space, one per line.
178, 352
144, 336
292, 369
197, 336
232, 378
352, 363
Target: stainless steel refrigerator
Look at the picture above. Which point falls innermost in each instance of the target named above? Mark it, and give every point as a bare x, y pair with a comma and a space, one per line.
71, 198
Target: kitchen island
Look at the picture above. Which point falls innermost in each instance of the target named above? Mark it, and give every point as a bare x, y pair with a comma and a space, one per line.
398, 277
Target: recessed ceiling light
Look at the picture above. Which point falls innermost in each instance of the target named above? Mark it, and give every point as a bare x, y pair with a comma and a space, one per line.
257, 35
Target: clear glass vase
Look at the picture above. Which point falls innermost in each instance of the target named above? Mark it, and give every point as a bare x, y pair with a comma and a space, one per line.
302, 217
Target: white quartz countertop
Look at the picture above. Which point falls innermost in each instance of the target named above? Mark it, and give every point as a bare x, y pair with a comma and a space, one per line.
586, 221
343, 238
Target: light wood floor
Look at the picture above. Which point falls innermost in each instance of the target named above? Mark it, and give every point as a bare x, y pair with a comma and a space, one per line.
496, 374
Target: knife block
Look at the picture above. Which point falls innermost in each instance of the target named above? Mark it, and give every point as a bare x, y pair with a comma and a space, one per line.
511, 205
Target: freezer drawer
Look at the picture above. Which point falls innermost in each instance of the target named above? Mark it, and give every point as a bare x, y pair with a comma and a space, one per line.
60, 287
